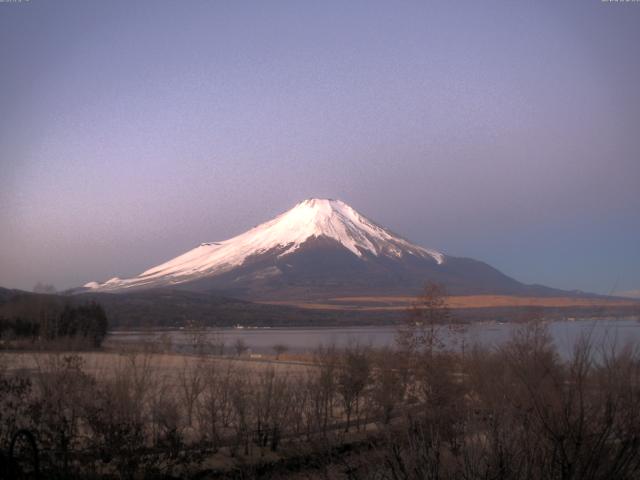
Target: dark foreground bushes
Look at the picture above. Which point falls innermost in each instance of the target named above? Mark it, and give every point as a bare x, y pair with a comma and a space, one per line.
517, 412
521, 413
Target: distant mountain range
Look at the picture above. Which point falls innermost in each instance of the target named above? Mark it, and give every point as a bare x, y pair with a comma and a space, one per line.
319, 248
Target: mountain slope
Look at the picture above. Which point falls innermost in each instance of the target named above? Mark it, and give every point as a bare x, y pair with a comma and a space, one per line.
318, 248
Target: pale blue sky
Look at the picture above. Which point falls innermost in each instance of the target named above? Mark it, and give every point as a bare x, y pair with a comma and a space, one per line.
504, 131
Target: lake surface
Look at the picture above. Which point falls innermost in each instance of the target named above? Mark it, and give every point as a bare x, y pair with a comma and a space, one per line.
261, 340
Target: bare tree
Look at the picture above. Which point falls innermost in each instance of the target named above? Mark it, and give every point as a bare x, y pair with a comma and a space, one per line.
191, 384
299, 404
388, 387
166, 342
214, 408
197, 336
217, 342
240, 398
271, 394
279, 349
240, 347
321, 387
353, 377
422, 329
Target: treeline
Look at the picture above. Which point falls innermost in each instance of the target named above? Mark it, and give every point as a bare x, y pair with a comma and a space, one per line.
164, 308
49, 321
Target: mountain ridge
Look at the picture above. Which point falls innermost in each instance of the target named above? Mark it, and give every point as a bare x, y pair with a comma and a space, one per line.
316, 248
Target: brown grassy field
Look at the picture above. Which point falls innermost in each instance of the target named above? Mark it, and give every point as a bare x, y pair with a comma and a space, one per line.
170, 365
391, 303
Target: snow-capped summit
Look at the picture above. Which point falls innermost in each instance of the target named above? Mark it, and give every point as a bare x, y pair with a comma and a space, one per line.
319, 247
310, 219
328, 218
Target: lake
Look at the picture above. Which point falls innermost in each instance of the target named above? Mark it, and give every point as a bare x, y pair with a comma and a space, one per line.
261, 340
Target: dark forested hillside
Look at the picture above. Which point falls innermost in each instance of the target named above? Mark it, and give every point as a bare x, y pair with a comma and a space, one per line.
166, 308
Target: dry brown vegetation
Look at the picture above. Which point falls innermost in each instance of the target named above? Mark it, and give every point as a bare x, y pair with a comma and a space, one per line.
377, 303
414, 412
417, 411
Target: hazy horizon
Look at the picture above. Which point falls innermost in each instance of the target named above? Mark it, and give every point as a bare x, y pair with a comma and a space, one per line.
501, 131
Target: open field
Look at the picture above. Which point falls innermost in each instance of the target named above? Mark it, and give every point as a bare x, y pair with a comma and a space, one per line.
396, 303
169, 365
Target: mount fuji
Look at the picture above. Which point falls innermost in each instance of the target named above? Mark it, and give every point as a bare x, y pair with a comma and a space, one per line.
319, 247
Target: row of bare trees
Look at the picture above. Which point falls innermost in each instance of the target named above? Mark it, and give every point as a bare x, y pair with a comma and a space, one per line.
140, 414
518, 412
514, 412
427, 409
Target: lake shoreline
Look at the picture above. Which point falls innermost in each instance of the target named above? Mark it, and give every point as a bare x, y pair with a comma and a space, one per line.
261, 341
205, 329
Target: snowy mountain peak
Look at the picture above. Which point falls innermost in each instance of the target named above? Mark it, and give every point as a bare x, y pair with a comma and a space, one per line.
317, 217
320, 210
310, 219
